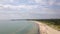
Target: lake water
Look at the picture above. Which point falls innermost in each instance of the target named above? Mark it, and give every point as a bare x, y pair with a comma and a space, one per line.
18, 27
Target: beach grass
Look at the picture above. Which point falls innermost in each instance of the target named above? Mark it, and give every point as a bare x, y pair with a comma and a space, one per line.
54, 23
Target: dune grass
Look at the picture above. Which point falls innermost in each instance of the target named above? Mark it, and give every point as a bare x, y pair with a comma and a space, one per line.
54, 23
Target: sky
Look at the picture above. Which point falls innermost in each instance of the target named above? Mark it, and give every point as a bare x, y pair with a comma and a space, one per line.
29, 9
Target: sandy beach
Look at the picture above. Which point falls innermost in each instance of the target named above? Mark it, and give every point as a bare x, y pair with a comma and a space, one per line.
45, 29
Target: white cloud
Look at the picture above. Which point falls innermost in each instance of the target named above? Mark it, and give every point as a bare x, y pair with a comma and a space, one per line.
39, 8
51, 2
11, 0
13, 7
6, 0
57, 3
38, 1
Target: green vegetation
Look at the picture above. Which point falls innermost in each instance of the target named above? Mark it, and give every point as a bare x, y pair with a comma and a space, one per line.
55, 23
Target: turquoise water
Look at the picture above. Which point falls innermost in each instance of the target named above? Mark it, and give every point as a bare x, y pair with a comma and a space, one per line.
18, 27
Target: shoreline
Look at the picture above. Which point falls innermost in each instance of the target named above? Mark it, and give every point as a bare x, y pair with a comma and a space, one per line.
45, 29
42, 28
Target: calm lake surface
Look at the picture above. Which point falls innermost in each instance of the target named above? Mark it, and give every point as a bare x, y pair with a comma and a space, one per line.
18, 27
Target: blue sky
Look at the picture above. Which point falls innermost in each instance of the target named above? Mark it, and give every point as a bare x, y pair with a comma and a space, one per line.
29, 9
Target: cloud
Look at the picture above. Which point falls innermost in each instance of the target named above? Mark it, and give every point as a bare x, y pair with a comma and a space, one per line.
18, 7
28, 9
54, 2
38, 1
51, 2
57, 3
11, 1
17, 2
4, 1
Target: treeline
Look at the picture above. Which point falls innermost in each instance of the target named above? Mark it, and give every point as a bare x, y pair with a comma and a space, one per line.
55, 23
52, 21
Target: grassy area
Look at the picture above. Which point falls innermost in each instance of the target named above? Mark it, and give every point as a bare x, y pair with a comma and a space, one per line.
54, 23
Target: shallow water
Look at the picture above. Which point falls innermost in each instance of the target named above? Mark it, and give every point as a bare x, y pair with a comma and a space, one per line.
18, 27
